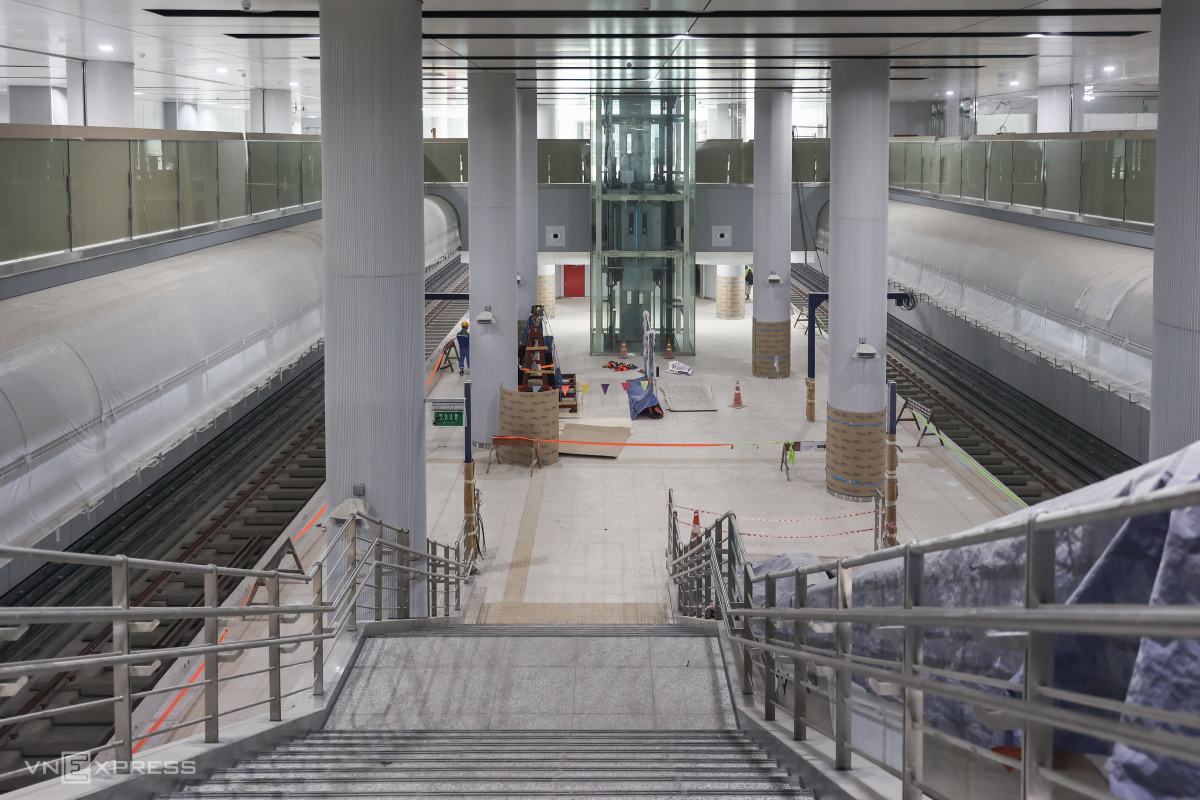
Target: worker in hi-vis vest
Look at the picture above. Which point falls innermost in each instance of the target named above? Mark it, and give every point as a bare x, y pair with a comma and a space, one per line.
464, 347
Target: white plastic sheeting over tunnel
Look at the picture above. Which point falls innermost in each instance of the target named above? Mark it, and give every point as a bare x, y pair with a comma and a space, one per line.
100, 377
1082, 302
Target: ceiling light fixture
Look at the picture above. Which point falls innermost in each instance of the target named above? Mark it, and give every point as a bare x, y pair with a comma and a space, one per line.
222, 70
293, 84
106, 48
1035, 36
1014, 83
949, 93
1109, 68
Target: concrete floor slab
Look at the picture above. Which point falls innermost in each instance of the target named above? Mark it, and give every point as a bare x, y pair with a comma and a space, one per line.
583, 540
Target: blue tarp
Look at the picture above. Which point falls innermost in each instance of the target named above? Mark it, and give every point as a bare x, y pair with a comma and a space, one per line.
1154, 559
642, 401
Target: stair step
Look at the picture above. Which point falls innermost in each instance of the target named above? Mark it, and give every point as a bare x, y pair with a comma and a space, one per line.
608, 786
296, 793
732, 749
456, 760
464, 772
564, 630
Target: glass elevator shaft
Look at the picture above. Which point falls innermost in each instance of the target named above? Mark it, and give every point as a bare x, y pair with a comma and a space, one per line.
643, 191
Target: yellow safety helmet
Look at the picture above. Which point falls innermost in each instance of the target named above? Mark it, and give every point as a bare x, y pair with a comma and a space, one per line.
466, 324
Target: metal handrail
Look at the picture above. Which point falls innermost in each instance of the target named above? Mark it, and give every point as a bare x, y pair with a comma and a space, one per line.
345, 545
1032, 705
92, 560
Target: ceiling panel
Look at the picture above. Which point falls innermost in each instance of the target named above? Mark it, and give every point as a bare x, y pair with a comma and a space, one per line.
964, 46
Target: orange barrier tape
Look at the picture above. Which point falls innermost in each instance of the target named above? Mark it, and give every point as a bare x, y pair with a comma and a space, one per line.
611, 444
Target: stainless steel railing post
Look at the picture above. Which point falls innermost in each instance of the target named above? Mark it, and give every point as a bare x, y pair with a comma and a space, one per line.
768, 656
318, 627
912, 772
446, 580
273, 651
1037, 749
352, 573
460, 573
379, 579
799, 670
123, 708
212, 730
841, 696
747, 633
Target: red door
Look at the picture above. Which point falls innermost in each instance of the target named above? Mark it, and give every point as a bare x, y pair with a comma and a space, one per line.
573, 280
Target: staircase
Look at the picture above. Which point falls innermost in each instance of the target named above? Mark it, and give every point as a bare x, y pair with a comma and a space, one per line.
511, 764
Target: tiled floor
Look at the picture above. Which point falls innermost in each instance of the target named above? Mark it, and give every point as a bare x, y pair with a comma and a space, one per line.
586, 537
498, 682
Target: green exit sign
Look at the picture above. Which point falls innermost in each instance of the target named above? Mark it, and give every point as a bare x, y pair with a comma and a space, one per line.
447, 419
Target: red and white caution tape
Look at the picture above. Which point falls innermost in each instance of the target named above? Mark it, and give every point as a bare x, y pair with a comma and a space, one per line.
805, 536
781, 519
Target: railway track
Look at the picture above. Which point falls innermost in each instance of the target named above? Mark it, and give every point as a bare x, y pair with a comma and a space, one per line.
441, 315
1032, 451
226, 505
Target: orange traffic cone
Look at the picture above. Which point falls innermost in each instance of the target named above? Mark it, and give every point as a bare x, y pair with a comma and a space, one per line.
624, 349
737, 396
695, 525
670, 350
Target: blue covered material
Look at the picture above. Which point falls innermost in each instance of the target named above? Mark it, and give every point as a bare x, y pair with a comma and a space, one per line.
643, 401
1153, 559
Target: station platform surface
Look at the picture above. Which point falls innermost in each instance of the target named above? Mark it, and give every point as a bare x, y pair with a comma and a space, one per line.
583, 540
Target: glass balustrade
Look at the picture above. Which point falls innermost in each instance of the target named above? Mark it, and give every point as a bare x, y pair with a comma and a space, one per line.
70, 195
1106, 180
62, 195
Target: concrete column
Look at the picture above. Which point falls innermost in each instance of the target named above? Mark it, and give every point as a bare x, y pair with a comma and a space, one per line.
731, 291
547, 121
108, 94
1060, 109
75, 87
858, 191
270, 111
491, 148
953, 119
772, 302
547, 287
1175, 376
374, 259
31, 105
527, 200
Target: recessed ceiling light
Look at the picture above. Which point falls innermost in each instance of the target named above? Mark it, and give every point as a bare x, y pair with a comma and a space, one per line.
106, 48
1035, 36
1014, 83
1109, 68
293, 84
949, 92
222, 70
